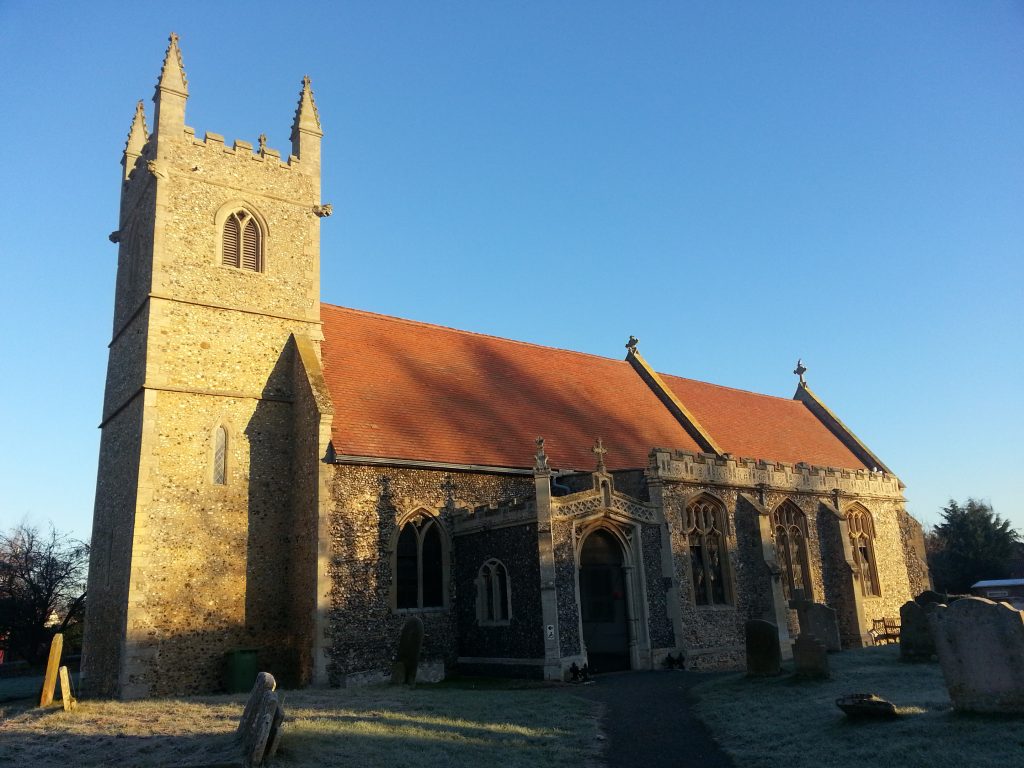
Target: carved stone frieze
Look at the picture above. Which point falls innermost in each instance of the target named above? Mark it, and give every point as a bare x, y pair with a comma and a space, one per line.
702, 468
583, 504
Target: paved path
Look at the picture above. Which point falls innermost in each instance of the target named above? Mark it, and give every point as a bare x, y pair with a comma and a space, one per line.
648, 723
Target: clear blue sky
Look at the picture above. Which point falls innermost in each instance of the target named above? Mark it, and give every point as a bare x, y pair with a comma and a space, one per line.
737, 184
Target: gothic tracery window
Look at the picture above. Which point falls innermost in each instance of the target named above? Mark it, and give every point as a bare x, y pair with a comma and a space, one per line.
790, 526
419, 564
242, 242
862, 539
493, 601
703, 524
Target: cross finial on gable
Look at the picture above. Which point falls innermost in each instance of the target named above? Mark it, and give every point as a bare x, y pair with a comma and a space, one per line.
599, 450
800, 370
631, 344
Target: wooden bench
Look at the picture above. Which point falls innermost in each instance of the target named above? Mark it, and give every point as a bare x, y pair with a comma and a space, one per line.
885, 631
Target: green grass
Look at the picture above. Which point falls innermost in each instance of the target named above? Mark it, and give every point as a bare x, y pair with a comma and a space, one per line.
784, 721
451, 725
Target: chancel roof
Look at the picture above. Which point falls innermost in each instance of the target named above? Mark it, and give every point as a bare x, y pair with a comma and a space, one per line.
761, 426
407, 390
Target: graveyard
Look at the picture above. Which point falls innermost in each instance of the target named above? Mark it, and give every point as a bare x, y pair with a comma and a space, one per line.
453, 724
791, 721
953, 688
760, 721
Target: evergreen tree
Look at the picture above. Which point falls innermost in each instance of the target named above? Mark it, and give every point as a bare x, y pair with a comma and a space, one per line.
973, 543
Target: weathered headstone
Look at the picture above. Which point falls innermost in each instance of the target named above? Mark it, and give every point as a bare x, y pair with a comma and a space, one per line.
818, 620
52, 664
66, 697
916, 640
264, 682
810, 658
981, 649
930, 597
764, 656
408, 658
262, 735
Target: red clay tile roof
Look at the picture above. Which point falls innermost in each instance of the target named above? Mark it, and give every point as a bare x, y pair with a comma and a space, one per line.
408, 390
761, 426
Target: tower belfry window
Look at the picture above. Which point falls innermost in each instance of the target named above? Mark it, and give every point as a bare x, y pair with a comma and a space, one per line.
242, 242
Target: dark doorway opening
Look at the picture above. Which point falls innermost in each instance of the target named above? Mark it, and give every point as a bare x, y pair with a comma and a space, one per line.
604, 608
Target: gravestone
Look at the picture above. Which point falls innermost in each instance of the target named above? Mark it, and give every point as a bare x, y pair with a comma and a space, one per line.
408, 657
981, 650
931, 597
810, 658
916, 640
818, 620
263, 731
764, 656
66, 697
264, 682
52, 664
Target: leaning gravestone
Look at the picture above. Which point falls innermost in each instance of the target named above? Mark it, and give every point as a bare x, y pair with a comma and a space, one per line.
764, 657
820, 621
52, 665
66, 696
981, 649
260, 740
810, 658
916, 640
408, 659
264, 682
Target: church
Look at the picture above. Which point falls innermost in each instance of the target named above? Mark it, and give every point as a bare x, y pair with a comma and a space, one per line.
287, 477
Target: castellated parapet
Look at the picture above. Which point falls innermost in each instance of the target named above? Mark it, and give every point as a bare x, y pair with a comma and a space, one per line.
198, 411
687, 466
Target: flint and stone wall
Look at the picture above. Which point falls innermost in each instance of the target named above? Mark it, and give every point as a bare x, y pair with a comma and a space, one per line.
368, 505
522, 638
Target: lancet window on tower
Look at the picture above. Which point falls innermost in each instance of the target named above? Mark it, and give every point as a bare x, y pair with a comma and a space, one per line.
862, 538
703, 524
242, 242
790, 525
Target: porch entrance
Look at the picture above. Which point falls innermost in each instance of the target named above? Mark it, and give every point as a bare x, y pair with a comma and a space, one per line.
603, 608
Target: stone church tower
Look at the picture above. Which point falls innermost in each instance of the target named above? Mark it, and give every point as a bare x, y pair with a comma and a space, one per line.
195, 539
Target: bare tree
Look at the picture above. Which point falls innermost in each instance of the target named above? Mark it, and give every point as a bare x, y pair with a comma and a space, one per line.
42, 588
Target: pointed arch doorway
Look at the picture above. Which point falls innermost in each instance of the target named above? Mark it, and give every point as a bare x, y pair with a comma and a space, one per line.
604, 608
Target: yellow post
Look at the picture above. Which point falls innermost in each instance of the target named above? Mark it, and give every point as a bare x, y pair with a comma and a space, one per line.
65, 690
50, 681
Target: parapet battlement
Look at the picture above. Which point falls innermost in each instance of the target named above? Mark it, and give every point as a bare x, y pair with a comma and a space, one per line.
705, 467
143, 147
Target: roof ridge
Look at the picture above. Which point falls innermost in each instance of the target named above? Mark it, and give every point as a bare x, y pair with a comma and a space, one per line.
731, 389
464, 332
